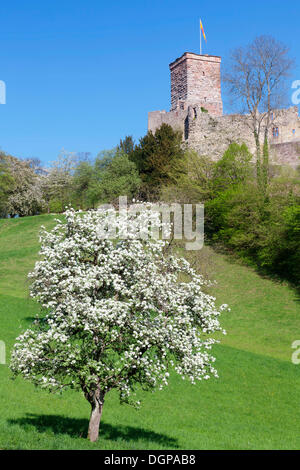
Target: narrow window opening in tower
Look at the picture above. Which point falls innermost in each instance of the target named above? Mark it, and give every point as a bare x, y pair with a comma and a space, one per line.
203, 73
195, 113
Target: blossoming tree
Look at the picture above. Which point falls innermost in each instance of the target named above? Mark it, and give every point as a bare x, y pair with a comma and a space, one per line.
118, 313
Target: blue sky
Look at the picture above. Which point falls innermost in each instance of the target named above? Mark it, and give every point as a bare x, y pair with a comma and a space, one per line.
81, 74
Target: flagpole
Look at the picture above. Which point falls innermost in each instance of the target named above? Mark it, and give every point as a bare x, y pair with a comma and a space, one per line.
200, 38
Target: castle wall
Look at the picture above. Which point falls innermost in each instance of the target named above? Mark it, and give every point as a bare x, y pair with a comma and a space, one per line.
211, 135
175, 119
288, 123
287, 153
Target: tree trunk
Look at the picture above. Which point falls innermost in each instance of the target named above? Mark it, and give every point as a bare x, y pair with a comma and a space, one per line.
258, 157
97, 402
265, 168
95, 419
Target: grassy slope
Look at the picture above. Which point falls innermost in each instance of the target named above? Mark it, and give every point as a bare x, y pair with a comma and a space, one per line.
254, 404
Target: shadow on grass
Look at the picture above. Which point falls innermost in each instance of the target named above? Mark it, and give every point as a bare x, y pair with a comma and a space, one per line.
75, 427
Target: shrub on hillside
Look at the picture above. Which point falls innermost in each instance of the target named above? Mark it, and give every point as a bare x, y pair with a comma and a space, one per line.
156, 157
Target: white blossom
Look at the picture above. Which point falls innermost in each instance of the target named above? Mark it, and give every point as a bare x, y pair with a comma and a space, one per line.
117, 312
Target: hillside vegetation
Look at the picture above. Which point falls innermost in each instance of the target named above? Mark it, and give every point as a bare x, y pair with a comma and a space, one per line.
253, 405
251, 211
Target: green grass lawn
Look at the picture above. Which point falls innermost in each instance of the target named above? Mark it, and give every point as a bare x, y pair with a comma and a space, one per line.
253, 405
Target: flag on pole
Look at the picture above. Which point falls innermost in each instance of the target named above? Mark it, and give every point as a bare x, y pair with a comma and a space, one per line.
201, 26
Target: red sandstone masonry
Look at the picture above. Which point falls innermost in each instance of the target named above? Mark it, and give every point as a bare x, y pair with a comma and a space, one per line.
195, 79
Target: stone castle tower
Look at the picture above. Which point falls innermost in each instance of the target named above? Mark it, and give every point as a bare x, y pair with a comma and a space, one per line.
196, 80
197, 111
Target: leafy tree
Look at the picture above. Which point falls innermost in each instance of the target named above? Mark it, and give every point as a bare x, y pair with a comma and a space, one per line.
58, 187
263, 231
84, 178
156, 155
117, 317
104, 158
25, 195
235, 219
280, 249
127, 145
6, 184
55, 206
114, 175
198, 178
86, 184
288, 261
233, 168
120, 178
191, 179
36, 165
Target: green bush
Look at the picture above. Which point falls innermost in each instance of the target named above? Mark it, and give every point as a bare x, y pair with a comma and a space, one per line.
157, 157
265, 233
55, 206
